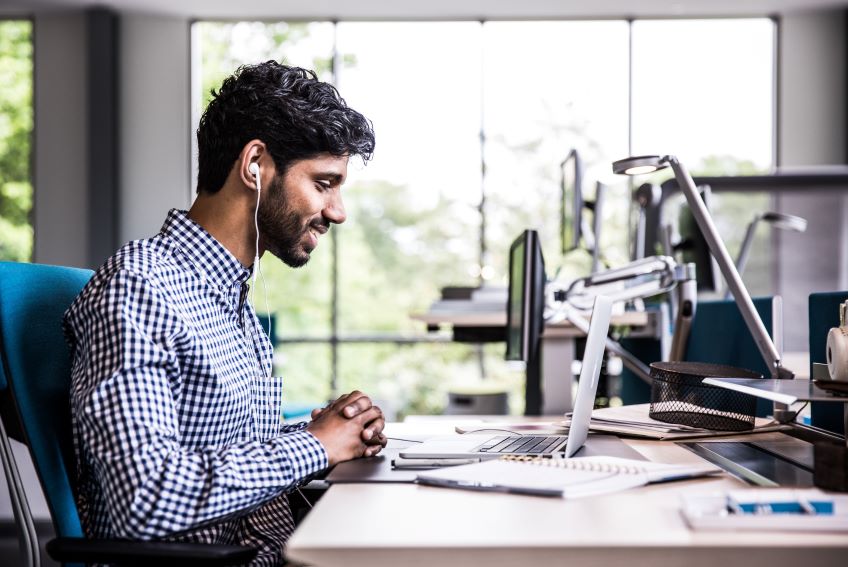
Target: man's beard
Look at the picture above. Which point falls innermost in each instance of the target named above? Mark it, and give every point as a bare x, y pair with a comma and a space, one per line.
280, 228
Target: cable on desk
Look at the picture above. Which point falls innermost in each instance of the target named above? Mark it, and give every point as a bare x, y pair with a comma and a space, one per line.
502, 430
407, 440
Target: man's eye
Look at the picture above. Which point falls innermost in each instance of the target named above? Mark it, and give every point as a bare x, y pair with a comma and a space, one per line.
323, 185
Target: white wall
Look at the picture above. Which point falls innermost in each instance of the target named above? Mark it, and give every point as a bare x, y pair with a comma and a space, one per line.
811, 129
155, 122
812, 114
60, 172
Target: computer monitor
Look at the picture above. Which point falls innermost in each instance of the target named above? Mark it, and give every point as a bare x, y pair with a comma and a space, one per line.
571, 201
693, 246
526, 297
591, 231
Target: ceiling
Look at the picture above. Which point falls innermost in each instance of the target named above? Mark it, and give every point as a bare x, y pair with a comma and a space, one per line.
432, 9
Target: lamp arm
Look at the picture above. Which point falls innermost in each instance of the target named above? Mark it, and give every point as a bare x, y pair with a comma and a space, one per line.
728, 269
745, 249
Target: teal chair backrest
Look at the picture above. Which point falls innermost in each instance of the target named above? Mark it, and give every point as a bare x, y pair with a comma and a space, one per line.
36, 363
824, 314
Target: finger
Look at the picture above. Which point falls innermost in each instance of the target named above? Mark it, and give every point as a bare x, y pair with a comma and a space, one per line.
373, 430
316, 412
373, 450
366, 417
378, 423
339, 402
356, 406
377, 439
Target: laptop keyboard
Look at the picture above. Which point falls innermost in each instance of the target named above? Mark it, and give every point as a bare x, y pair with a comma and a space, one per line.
522, 444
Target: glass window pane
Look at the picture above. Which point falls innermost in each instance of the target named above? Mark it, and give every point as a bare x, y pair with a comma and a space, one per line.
732, 212
703, 90
305, 369
413, 224
415, 379
299, 298
550, 87
15, 138
710, 102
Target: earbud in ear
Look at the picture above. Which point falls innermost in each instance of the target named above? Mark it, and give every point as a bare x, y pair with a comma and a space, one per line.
254, 168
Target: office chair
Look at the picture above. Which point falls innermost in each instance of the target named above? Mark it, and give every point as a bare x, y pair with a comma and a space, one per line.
824, 314
36, 373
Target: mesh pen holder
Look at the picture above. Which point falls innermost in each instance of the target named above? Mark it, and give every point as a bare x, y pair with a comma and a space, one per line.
678, 395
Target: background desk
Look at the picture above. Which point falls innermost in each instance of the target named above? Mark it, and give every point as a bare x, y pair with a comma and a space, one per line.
401, 524
557, 348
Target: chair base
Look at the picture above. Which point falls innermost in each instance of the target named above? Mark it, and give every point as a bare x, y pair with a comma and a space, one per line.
140, 553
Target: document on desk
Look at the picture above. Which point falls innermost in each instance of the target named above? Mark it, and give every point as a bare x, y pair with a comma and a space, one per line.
634, 421
568, 478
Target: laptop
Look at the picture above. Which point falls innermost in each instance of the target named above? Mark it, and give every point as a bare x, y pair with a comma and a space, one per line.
473, 445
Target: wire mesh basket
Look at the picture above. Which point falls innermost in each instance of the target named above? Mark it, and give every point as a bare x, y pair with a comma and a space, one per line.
678, 395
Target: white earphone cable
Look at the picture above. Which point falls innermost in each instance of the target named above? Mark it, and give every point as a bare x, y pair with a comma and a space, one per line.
256, 262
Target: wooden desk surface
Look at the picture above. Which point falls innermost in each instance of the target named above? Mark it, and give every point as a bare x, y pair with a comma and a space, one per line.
409, 525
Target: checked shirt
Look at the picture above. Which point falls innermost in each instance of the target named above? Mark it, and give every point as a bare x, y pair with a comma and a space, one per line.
175, 418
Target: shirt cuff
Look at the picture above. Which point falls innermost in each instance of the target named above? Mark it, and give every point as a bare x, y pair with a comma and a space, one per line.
292, 427
307, 454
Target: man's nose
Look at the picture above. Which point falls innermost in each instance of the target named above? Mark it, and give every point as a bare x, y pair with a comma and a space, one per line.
335, 210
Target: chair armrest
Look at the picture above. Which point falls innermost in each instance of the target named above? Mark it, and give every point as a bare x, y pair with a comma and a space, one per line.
134, 552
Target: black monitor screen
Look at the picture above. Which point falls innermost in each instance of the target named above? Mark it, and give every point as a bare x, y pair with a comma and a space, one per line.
526, 303
571, 201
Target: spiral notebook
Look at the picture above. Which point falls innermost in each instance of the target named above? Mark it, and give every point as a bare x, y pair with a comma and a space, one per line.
568, 478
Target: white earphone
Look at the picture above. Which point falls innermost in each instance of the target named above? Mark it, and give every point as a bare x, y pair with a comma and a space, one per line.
254, 169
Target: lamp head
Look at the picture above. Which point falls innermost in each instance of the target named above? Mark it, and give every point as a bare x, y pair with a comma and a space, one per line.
637, 165
785, 222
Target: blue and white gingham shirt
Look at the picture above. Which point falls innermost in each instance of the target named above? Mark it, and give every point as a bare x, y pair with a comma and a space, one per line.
176, 422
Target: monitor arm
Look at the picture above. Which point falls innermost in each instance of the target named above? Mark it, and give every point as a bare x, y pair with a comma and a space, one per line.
637, 280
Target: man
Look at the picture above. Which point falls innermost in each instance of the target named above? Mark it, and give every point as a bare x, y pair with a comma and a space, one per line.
176, 417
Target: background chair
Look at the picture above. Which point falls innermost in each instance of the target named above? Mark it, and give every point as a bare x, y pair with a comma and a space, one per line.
37, 377
824, 314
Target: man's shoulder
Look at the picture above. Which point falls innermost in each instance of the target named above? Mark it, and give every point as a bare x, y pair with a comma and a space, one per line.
145, 261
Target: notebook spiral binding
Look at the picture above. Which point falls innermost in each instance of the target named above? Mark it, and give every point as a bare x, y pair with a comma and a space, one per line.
577, 464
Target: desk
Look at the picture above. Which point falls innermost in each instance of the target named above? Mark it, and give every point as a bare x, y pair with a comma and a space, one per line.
409, 525
557, 348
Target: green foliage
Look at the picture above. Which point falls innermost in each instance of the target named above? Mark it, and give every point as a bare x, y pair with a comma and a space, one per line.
393, 259
15, 139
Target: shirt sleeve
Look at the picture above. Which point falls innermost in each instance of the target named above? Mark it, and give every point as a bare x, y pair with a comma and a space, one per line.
127, 378
292, 427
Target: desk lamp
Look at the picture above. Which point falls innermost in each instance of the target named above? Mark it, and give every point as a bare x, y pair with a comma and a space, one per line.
782, 221
646, 164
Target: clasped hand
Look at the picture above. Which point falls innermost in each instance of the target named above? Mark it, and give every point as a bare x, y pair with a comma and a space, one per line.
349, 427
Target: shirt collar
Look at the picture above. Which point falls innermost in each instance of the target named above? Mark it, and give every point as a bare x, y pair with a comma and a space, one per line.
205, 252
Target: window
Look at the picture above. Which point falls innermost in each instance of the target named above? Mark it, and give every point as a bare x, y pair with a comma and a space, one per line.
16, 236
710, 103
472, 121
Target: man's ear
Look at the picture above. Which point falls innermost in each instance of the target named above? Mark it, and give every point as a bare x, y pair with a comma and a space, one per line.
254, 157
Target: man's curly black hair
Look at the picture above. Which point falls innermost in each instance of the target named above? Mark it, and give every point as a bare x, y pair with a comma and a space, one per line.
296, 115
